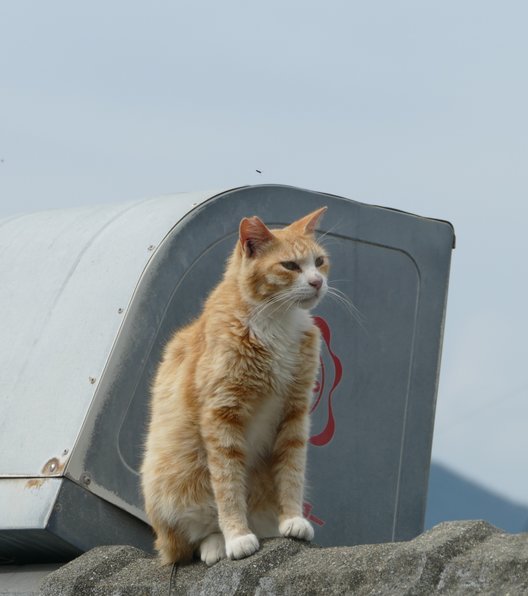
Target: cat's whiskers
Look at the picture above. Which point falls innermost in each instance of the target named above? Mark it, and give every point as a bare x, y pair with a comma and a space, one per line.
278, 306
277, 300
330, 230
352, 309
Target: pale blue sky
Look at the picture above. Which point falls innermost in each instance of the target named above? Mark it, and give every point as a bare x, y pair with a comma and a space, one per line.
415, 105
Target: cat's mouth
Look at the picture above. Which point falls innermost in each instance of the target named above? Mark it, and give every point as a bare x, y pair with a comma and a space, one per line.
310, 301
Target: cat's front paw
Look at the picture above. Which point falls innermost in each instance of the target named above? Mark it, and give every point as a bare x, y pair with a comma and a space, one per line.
242, 546
296, 527
212, 549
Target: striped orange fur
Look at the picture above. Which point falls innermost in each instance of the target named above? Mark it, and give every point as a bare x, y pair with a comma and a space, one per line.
225, 454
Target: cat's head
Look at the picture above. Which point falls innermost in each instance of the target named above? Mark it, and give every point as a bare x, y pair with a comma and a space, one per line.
283, 267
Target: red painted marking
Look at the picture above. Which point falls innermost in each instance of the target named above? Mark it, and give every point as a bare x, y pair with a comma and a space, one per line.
326, 435
307, 512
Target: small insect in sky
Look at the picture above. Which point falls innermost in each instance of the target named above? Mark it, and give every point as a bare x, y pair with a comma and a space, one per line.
259, 171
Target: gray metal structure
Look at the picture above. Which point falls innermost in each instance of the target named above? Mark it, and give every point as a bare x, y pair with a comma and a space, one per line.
88, 299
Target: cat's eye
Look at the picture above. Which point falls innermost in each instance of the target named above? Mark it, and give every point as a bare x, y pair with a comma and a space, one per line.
290, 265
319, 261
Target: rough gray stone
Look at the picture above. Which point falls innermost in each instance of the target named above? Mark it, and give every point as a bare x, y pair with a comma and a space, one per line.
91, 572
452, 558
499, 566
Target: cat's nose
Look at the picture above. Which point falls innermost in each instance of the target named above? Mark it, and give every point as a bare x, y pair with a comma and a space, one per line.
316, 282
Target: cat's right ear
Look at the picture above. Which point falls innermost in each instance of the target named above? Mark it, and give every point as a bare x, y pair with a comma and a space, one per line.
254, 235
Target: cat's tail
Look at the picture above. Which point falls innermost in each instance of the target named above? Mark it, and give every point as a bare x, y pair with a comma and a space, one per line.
172, 545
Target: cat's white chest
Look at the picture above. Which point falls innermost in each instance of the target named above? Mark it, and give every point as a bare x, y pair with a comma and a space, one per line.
282, 337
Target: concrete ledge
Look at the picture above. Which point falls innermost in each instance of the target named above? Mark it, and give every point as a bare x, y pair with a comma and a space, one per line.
470, 557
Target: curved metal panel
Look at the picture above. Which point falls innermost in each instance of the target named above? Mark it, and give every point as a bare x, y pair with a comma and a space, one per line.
67, 279
90, 296
372, 429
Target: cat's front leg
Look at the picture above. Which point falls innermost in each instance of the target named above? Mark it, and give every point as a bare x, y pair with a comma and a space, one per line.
296, 527
212, 549
223, 430
289, 464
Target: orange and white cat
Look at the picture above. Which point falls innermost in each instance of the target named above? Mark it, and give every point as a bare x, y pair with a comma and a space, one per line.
225, 453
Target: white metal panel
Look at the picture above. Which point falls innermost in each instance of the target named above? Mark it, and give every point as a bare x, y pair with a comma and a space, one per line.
27, 503
66, 278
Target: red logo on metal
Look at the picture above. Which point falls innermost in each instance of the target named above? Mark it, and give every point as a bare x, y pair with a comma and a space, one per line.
307, 512
324, 398
329, 379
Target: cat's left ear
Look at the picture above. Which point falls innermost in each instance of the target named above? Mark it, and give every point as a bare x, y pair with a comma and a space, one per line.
254, 235
308, 223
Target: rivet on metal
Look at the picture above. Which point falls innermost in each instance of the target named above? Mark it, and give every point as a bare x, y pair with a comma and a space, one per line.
85, 479
120, 310
92, 380
51, 466
151, 247
65, 452
194, 204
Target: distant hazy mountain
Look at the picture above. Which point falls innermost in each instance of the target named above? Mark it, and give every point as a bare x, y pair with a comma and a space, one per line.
451, 496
